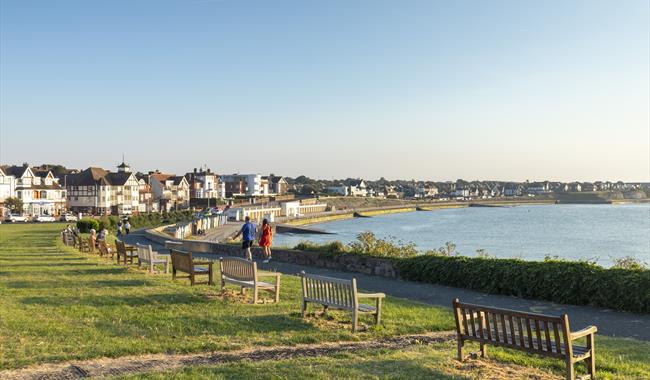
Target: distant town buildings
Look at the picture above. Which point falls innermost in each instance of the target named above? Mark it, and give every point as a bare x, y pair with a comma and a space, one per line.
53, 189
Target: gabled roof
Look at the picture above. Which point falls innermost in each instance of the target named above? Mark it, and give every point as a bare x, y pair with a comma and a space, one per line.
16, 171
98, 176
118, 179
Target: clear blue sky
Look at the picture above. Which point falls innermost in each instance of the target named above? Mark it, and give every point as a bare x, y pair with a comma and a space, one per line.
435, 90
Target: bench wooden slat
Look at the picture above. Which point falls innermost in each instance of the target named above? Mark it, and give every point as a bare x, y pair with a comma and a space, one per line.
244, 273
530, 332
558, 342
183, 261
336, 293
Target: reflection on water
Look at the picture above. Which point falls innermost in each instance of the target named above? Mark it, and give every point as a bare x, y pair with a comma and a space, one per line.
577, 232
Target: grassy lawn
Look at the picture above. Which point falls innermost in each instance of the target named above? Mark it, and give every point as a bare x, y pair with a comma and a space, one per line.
57, 304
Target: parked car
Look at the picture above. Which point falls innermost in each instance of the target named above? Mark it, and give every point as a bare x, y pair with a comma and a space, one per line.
68, 218
13, 218
45, 218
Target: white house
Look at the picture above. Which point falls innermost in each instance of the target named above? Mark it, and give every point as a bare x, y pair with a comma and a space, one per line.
39, 190
357, 188
7, 186
245, 185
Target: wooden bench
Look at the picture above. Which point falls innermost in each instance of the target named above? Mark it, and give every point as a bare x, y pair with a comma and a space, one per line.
534, 333
68, 238
82, 244
105, 249
244, 273
148, 256
92, 243
339, 294
126, 252
183, 262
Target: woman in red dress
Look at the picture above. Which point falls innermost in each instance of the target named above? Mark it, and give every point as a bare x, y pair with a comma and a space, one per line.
266, 239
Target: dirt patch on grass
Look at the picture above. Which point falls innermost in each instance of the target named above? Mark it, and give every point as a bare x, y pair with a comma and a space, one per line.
130, 365
486, 369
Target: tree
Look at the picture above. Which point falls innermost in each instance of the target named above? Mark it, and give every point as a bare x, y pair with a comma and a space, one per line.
14, 204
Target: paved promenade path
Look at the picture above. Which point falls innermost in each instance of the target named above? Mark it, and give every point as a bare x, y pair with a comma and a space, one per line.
609, 322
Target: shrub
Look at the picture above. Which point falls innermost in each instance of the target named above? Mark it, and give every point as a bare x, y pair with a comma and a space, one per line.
576, 283
86, 224
368, 244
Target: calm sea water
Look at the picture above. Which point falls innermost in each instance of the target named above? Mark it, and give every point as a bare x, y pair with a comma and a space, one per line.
588, 232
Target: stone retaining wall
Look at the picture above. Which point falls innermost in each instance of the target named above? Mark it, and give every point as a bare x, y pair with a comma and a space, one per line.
349, 263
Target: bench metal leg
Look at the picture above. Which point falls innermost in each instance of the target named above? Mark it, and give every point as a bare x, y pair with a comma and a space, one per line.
461, 343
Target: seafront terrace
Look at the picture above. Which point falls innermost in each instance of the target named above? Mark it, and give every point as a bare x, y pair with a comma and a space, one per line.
62, 311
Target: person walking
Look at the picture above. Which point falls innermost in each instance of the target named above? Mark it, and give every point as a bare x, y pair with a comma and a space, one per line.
247, 233
127, 226
266, 239
119, 228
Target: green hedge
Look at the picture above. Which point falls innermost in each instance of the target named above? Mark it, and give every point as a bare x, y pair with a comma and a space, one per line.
138, 221
86, 224
576, 283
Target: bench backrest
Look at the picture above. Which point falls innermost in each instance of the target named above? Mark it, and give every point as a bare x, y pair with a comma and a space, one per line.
91, 243
537, 333
120, 247
238, 269
332, 291
103, 248
68, 238
182, 260
145, 253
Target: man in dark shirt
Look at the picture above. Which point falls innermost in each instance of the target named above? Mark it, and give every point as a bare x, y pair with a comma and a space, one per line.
247, 233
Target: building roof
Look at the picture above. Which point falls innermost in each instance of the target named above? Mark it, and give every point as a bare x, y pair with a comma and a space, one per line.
98, 176
16, 171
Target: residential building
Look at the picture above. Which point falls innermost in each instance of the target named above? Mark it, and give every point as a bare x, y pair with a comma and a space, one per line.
355, 188
7, 187
277, 185
39, 190
171, 191
252, 185
205, 184
426, 191
98, 191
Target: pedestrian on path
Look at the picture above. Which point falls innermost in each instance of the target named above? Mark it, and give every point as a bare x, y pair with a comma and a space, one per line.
266, 239
119, 228
127, 226
247, 233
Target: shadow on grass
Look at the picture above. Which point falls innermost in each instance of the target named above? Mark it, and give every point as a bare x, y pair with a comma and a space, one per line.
227, 327
51, 284
101, 301
41, 257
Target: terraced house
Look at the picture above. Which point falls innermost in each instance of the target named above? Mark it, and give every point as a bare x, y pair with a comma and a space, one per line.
98, 191
171, 191
39, 190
